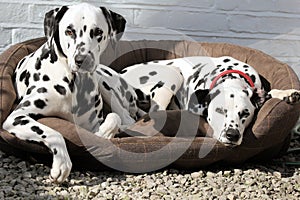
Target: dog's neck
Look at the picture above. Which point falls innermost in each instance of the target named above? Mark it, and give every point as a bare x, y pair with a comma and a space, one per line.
237, 83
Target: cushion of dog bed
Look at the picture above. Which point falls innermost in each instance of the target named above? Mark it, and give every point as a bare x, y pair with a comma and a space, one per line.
267, 137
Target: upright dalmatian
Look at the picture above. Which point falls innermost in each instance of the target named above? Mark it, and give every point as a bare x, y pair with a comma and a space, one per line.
58, 79
223, 90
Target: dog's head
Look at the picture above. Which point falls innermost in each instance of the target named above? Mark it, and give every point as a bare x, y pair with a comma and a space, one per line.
229, 111
82, 32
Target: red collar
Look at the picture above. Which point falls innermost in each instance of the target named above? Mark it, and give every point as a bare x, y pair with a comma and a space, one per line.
249, 80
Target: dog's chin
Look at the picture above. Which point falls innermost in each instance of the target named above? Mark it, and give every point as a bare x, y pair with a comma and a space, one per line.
230, 145
77, 69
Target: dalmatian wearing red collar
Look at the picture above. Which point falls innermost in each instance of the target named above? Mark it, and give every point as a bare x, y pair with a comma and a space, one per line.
225, 91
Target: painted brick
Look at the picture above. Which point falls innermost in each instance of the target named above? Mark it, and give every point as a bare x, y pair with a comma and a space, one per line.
37, 12
13, 12
19, 35
271, 25
5, 38
291, 6
179, 3
181, 20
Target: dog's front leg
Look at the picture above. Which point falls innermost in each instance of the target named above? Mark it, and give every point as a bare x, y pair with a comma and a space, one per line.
21, 124
291, 96
110, 127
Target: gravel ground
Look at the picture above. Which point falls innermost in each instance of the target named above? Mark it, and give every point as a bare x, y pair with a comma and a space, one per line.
278, 179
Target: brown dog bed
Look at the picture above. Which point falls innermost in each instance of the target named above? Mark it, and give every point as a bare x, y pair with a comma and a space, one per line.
267, 137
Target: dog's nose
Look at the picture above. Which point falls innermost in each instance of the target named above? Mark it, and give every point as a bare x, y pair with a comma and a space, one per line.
233, 135
79, 59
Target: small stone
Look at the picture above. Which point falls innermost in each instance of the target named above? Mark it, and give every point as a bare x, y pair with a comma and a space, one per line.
277, 174
227, 173
231, 197
27, 175
210, 174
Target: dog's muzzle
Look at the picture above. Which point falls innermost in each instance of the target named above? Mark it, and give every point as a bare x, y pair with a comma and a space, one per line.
232, 135
85, 62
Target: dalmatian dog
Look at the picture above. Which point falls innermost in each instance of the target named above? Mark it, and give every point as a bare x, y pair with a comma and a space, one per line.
59, 79
225, 91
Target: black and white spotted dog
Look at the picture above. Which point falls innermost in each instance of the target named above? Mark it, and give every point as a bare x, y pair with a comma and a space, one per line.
59, 79
224, 90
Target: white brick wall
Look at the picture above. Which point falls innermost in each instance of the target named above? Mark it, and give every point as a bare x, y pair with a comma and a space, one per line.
272, 26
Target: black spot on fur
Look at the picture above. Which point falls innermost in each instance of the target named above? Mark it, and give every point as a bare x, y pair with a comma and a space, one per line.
236, 64
98, 31
20, 121
38, 64
37, 130
36, 116
53, 56
36, 76
140, 94
26, 104
81, 33
152, 94
196, 66
65, 79
60, 89
226, 60
153, 73
246, 66
84, 28
173, 87
253, 78
45, 53
170, 63
106, 72
244, 114
71, 86
157, 85
144, 79
246, 91
232, 96
46, 78
123, 71
42, 90
40, 103
29, 90
106, 86
25, 75
99, 39
91, 33
54, 151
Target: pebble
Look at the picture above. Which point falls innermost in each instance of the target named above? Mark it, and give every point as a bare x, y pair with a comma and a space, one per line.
21, 180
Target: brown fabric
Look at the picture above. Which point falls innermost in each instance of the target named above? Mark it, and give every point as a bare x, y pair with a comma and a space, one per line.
266, 138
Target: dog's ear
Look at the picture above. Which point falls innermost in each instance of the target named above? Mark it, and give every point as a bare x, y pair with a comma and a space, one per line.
199, 97
52, 19
258, 97
116, 23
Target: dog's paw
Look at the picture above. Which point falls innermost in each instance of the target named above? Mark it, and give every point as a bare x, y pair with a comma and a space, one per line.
289, 96
110, 127
61, 168
292, 98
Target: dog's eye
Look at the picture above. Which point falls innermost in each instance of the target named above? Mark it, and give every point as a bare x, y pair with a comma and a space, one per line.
69, 32
98, 32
